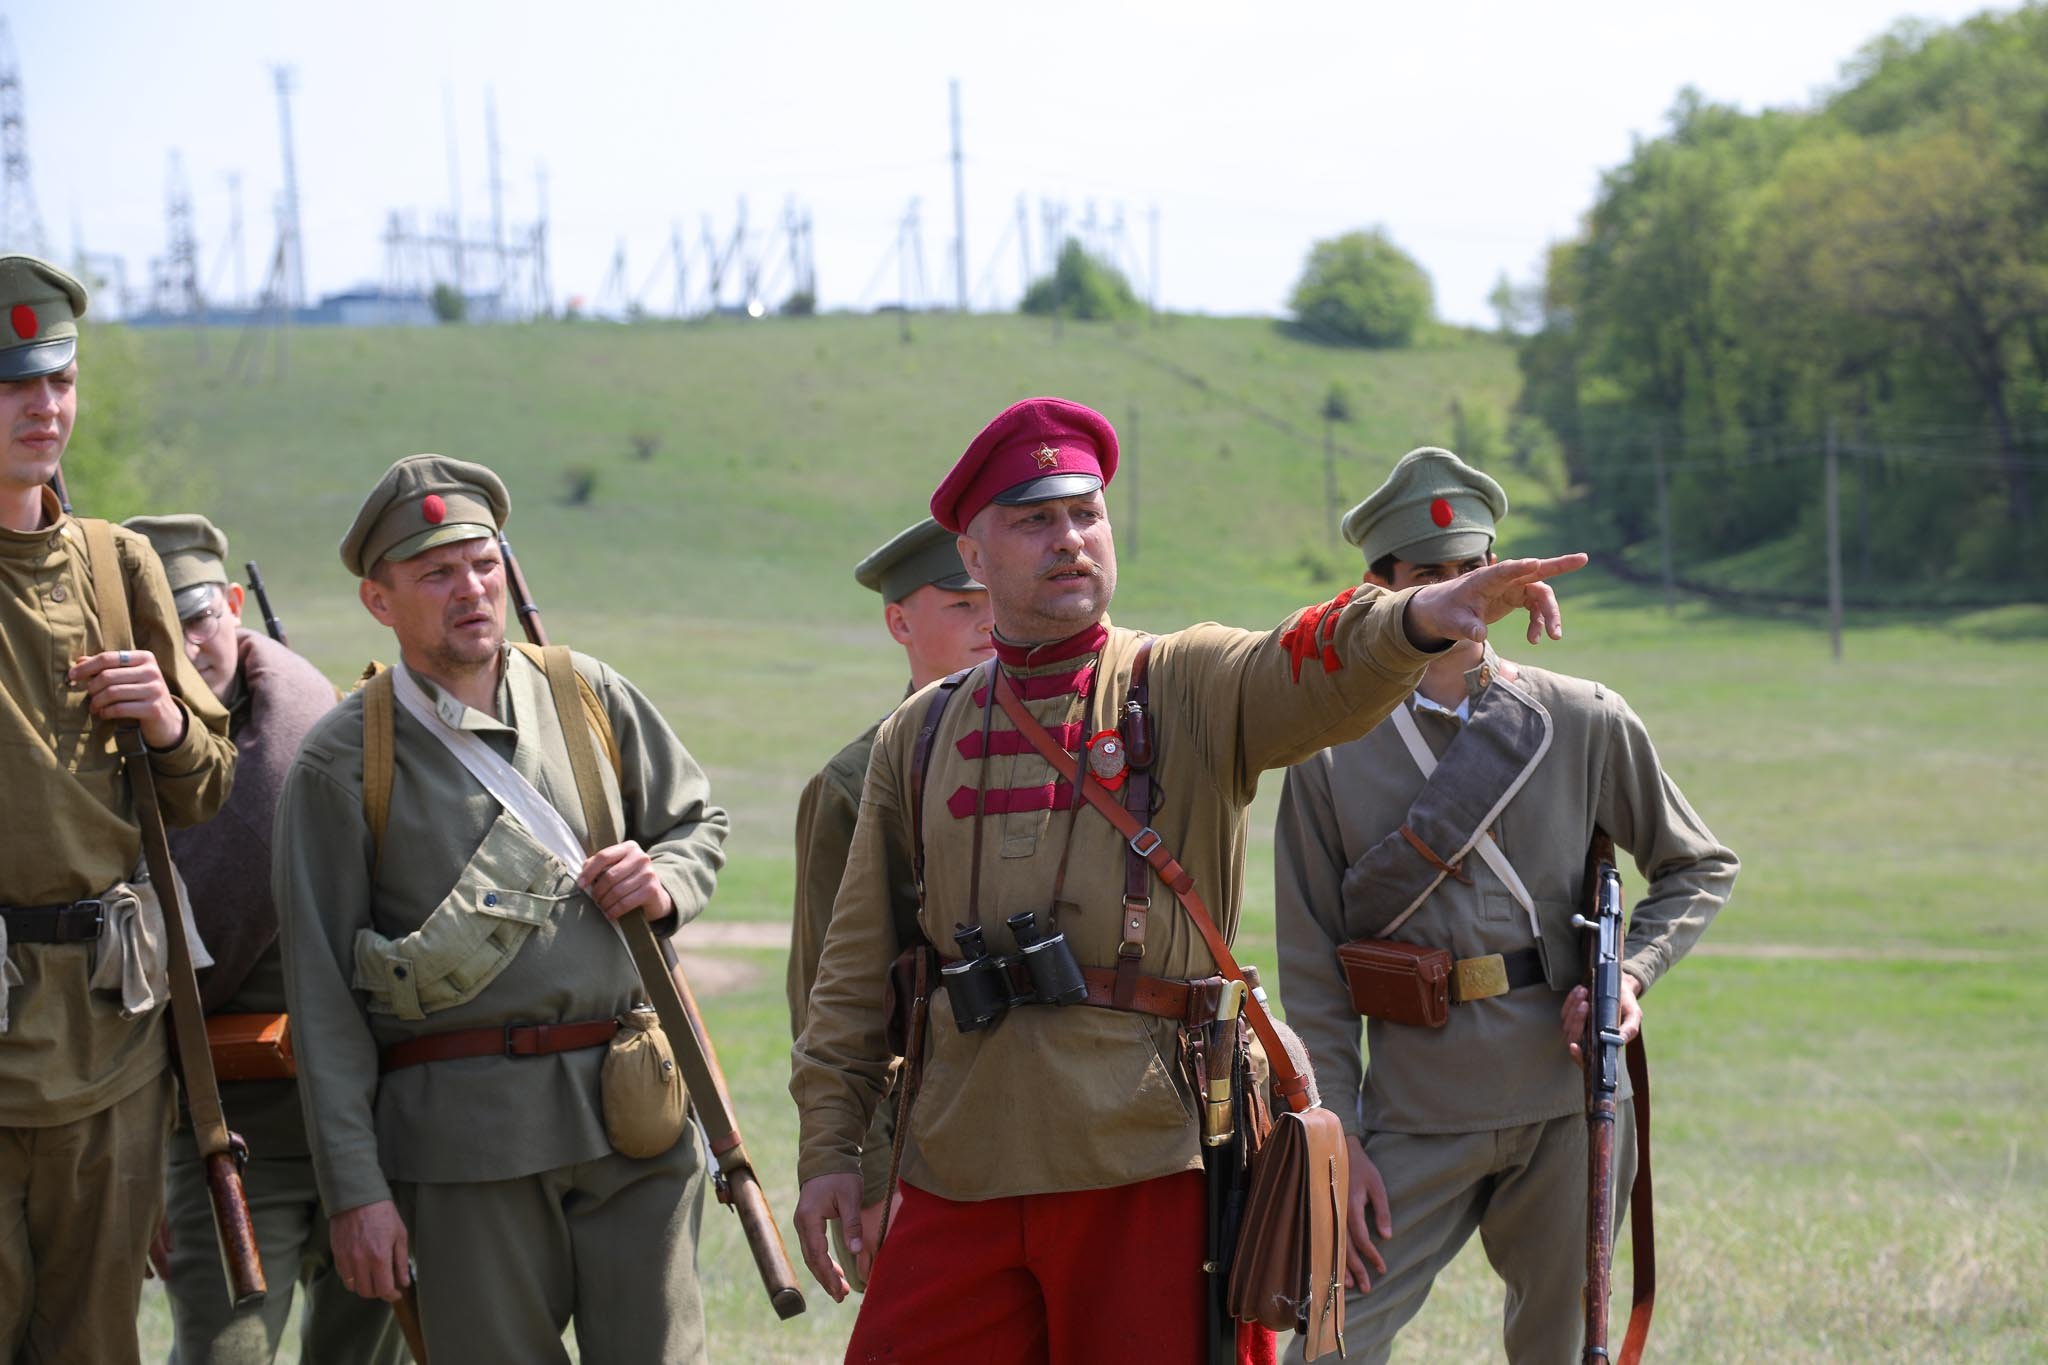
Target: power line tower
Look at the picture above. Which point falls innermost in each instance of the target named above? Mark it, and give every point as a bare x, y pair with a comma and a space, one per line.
21, 227
290, 242
959, 209
175, 290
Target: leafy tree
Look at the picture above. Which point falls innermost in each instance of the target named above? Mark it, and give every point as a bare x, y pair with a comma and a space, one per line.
1362, 290
448, 303
1082, 285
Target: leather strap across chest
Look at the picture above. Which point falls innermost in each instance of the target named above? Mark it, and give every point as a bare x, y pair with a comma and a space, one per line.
1146, 842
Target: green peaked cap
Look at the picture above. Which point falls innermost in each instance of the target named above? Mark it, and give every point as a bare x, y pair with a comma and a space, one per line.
926, 553
194, 553
40, 306
1433, 509
423, 501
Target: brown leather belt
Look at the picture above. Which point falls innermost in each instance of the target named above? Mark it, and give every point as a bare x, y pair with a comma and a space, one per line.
1184, 1002
512, 1040
78, 922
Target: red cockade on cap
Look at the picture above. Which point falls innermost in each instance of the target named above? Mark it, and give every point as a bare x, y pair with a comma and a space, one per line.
1441, 512
24, 321
1029, 440
433, 508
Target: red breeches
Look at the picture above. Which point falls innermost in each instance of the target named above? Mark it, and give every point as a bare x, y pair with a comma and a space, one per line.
1108, 1276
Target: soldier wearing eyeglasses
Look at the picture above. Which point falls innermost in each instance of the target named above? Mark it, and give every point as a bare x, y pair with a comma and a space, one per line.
272, 698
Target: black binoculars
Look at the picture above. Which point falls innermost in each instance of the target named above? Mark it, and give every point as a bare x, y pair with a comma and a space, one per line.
982, 988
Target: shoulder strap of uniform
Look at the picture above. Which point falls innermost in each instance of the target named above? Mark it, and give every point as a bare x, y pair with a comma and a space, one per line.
569, 698
920, 765
593, 709
380, 720
109, 587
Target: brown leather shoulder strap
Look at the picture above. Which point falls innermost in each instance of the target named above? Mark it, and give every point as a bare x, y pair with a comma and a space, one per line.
109, 588
1145, 841
920, 766
380, 738
1137, 736
566, 688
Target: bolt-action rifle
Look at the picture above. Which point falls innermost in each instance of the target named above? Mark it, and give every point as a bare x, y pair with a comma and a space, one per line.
733, 1170
1600, 1052
270, 621
223, 1153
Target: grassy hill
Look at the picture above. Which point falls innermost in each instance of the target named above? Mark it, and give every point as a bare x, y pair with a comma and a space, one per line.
1851, 1080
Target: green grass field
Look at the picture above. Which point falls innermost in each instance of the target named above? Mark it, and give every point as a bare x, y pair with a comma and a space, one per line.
1851, 1075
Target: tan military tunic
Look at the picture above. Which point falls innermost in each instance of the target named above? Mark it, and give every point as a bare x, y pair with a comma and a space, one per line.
825, 817
466, 921
1077, 1098
1498, 1062
66, 817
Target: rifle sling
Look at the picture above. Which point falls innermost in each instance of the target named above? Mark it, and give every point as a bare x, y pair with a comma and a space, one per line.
1642, 1233
188, 1021
1146, 842
665, 990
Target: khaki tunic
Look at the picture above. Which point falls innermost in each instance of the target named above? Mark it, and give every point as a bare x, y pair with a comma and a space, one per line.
1498, 1062
67, 822
825, 818
1079, 1098
464, 922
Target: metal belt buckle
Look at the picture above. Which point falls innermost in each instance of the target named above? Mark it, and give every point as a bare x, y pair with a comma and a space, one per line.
1482, 978
512, 1047
1142, 848
98, 910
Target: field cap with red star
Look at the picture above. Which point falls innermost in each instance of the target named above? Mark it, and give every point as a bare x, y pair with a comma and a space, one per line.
423, 501
1034, 451
42, 306
1433, 509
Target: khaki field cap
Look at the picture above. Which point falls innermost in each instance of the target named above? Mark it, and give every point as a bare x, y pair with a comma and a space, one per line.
194, 553
1433, 509
424, 501
41, 306
926, 553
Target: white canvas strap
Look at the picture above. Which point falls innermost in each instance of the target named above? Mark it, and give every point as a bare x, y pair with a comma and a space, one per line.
1489, 851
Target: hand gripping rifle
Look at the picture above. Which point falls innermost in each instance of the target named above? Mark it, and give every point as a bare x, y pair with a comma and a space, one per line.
224, 1153
270, 621
1600, 1052
733, 1170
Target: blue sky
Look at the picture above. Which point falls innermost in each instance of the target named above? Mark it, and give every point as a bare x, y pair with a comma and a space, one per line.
1474, 132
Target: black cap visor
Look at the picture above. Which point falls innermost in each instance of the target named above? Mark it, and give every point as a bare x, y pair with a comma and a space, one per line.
44, 357
1046, 489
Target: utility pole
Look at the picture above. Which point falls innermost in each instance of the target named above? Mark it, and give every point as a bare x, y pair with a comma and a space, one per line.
1834, 506
1130, 467
497, 191
235, 245
675, 251
1664, 521
907, 251
1153, 218
454, 197
293, 280
178, 284
543, 288
21, 226
959, 207
1024, 240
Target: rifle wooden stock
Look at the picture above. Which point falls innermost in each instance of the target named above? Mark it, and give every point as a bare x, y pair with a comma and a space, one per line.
407, 1311
1598, 1059
669, 990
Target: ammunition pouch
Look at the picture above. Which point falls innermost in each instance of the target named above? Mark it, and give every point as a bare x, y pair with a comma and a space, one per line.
1402, 983
251, 1047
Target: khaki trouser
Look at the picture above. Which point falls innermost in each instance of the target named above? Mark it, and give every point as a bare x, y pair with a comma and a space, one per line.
78, 1204
505, 1265
336, 1327
1524, 1190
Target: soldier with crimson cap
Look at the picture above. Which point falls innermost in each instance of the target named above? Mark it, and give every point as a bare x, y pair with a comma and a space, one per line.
1052, 1195
85, 1095
1478, 1125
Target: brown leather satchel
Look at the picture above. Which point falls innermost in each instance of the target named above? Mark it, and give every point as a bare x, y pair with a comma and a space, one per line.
1293, 1233
1403, 983
251, 1047
1288, 1271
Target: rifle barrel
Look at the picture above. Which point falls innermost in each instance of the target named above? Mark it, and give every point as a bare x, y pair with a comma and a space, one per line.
271, 623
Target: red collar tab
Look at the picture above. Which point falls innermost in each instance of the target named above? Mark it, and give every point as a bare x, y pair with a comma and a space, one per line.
1088, 641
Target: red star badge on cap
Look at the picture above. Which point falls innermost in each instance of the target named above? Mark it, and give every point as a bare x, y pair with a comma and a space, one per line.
433, 508
1046, 456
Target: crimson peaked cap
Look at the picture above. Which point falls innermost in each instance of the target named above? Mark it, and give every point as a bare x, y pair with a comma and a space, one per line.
1036, 450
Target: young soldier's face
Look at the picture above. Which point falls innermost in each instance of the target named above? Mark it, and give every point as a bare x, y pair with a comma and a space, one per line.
446, 605
35, 420
1408, 575
1050, 566
943, 630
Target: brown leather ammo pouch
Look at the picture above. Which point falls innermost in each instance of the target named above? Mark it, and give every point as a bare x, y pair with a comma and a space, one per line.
1402, 983
251, 1047
1288, 1273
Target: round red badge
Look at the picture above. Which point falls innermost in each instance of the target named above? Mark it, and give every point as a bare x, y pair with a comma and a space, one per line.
24, 321
1106, 761
432, 508
1440, 512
